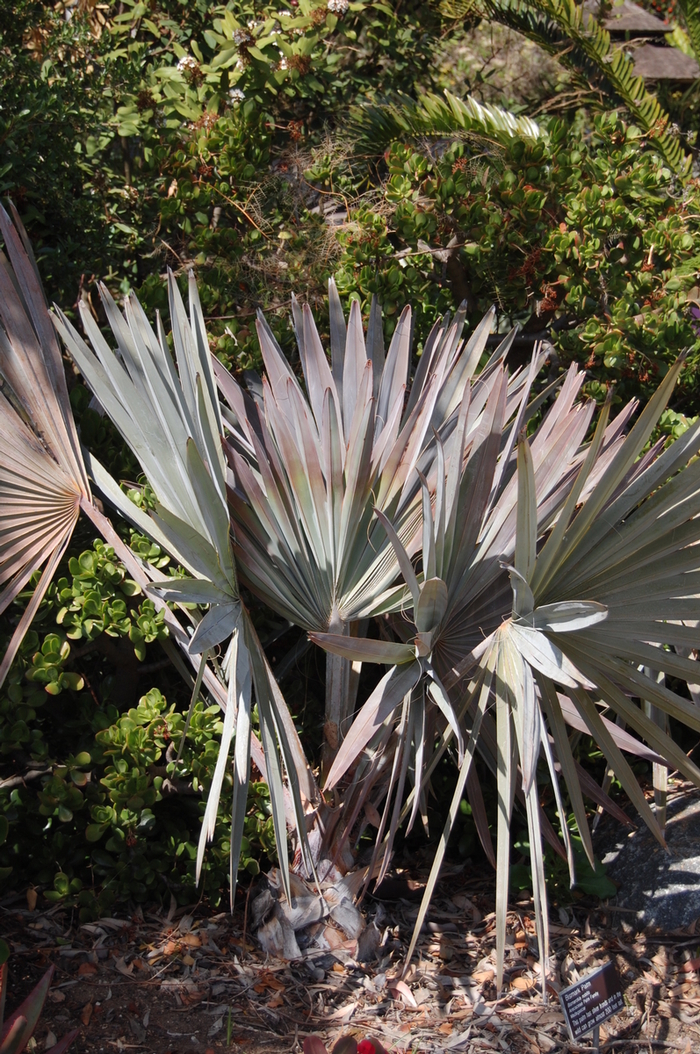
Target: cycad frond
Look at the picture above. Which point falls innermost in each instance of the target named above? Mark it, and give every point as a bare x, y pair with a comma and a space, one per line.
400, 118
560, 27
691, 14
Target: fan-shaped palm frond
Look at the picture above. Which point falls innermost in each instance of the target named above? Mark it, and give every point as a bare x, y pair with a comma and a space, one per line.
42, 477
308, 468
171, 420
44, 474
565, 572
376, 125
461, 596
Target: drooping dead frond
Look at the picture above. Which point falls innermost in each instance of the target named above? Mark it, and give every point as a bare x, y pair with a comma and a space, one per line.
42, 476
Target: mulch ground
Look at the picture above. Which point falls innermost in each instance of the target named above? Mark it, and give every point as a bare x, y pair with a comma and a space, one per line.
185, 980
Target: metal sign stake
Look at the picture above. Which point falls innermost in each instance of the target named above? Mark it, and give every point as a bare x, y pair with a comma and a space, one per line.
591, 1001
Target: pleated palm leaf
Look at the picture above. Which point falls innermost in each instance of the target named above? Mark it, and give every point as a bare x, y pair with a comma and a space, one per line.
42, 476
171, 421
310, 467
571, 575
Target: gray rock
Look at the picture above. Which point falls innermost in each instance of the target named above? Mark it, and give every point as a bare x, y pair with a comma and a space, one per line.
662, 886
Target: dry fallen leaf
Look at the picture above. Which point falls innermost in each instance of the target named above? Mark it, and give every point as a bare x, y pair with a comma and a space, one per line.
483, 976
121, 966
520, 942
191, 940
190, 994
31, 899
400, 990
87, 968
343, 1014
86, 1014
268, 980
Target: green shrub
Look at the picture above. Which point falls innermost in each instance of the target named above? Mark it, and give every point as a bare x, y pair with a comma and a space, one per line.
110, 813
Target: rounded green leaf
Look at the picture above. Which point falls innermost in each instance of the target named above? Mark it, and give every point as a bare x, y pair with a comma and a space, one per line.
94, 831
61, 884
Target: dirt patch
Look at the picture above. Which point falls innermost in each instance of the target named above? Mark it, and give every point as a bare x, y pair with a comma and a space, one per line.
191, 981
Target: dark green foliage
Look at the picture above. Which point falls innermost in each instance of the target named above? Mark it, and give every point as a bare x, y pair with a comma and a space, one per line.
161, 166
109, 812
116, 156
591, 240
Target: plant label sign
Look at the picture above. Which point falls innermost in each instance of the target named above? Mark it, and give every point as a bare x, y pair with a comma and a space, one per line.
591, 1001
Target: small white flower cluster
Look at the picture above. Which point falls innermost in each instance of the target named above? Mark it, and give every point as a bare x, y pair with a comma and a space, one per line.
241, 36
283, 64
236, 95
338, 7
187, 64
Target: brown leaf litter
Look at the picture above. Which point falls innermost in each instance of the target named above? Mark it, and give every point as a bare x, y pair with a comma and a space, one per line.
188, 980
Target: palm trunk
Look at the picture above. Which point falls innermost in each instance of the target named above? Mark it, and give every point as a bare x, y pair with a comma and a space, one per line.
338, 704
